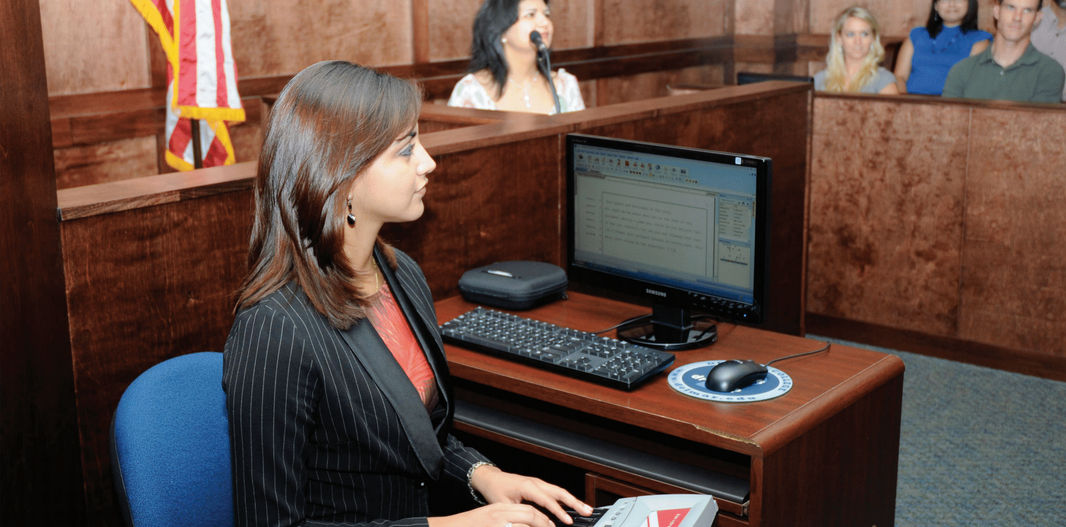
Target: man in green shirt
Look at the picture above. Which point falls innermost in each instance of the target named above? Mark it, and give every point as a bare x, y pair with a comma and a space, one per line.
1011, 68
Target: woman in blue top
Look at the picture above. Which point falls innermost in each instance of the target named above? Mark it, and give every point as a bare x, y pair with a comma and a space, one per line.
950, 35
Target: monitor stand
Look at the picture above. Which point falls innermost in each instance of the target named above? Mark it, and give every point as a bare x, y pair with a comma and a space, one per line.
668, 328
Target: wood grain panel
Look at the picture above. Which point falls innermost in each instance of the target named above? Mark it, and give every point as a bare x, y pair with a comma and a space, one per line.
887, 212
791, 17
94, 46
484, 207
895, 16
112, 161
865, 467
649, 85
450, 26
1014, 262
755, 17
142, 287
285, 36
40, 481
628, 21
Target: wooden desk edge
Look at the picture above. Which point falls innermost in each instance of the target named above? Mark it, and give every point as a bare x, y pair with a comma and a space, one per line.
815, 412
762, 442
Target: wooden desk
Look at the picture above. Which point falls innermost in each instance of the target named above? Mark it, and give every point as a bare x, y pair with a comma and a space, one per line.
823, 454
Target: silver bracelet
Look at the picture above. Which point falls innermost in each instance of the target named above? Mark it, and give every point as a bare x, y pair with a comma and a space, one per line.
470, 477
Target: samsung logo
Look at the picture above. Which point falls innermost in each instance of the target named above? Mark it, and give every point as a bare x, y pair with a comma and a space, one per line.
654, 292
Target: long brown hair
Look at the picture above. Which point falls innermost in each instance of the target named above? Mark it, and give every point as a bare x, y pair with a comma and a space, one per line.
330, 122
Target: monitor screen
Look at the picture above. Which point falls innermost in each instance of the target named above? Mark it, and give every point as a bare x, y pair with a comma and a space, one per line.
682, 229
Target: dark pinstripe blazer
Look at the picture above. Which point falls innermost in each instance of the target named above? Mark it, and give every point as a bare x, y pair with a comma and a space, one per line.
325, 426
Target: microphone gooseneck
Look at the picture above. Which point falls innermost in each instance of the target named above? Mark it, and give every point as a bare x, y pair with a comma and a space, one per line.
545, 65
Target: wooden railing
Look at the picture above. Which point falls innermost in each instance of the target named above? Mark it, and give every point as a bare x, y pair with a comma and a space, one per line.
936, 226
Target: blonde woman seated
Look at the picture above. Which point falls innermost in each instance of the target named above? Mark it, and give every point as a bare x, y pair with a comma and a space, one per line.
854, 58
504, 71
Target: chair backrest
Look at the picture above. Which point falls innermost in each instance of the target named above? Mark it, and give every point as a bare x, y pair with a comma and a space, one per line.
170, 445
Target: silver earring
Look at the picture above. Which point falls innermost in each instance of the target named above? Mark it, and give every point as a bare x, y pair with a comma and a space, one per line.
350, 217
503, 40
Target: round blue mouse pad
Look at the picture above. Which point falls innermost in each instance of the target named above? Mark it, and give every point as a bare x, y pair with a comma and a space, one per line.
690, 378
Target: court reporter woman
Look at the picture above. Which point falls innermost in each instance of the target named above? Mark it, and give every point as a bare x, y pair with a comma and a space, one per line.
854, 58
950, 34
503, 66
334, 370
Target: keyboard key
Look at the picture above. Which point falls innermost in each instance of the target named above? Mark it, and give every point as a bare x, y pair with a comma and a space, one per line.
565, 350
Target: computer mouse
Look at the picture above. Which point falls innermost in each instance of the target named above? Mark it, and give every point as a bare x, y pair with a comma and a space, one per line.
732, 375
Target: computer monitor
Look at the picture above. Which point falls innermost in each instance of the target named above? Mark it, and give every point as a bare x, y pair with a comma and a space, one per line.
681, 229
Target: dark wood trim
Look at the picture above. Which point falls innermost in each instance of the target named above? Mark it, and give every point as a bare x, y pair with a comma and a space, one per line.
989, 356
42, 476
157, 60
420, 30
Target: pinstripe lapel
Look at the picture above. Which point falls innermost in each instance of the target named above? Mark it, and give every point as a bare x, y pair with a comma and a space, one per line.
423, 321
390, 378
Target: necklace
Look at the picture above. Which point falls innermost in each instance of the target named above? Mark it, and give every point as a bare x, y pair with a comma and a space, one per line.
527, 100
377, 277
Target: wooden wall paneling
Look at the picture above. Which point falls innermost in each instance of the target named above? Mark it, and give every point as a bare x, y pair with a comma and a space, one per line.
629, 21
144, 286
487, 204
93, 46
420, 43
887, 211
895, 17
791, 17
627, 88
755, 17
1013, 290
282, 37
103, 162
247, 136
157, 59
41, 475
449, 24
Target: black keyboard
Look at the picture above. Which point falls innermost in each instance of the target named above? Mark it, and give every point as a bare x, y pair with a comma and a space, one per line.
568, 351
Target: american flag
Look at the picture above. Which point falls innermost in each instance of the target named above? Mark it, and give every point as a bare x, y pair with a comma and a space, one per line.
201, 77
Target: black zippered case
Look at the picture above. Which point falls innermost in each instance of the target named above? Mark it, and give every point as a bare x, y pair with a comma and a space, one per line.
515, 284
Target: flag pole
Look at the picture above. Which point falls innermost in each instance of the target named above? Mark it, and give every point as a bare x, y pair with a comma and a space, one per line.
197, 156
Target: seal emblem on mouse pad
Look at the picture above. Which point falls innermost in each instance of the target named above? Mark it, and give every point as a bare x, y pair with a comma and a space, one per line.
691, 379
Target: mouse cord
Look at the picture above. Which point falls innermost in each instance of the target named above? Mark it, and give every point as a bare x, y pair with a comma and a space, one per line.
797, 355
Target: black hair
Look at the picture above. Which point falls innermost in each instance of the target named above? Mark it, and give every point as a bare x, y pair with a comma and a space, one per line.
969, 22
493, 19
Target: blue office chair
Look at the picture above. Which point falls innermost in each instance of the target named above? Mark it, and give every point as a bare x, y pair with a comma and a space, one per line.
170, 445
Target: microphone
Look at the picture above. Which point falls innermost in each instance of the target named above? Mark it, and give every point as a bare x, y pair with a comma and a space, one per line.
538, 41
545, 65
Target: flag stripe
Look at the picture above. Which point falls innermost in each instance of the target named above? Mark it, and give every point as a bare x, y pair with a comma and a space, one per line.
195, 36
